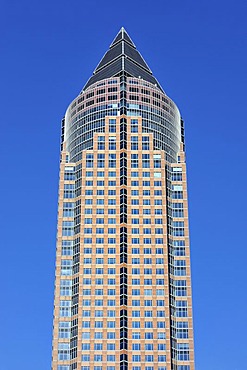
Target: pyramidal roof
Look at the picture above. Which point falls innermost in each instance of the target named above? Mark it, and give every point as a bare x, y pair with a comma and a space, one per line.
122, 56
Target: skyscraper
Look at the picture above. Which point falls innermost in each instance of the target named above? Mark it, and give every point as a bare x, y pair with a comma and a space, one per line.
123, 287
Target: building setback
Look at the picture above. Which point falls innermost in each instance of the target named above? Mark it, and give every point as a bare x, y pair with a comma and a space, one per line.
123, 284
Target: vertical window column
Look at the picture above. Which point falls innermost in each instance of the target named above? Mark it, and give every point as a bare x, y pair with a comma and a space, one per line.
123, 248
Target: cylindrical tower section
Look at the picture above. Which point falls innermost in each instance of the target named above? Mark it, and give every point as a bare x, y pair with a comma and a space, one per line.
114, 97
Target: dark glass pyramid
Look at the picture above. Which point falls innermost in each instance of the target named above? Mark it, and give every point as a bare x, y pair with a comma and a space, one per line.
122, 57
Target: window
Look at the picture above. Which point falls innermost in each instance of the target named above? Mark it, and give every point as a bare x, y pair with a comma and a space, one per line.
98, 335
134, 183
158, 231
111, 211
63, 351
161, 358
136, 347
85, 346
112, 174
85, 324
68, 209
112, 143
64, 330
134, 174
69, 191
134, 125
67, 247
136, 314
135, 261
160, 281
146, 192
85, 358
145, 143
146, 202
111, 324
98, 346
99, 271
181, 309
158, 240
134, 142
135, 240
98, 324
134, 192
98, 357
136, 358
136, 324
111, 313
111, 358
135, 230
110, 335
66, 288
161, 324
111, 281
135, 281
66, 267
99, 240
136, 335
160, 302
135, 302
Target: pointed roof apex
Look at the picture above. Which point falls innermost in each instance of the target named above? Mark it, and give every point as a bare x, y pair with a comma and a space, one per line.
122, 36
122, 57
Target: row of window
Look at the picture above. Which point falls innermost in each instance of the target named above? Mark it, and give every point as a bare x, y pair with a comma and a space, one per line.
135, 335
135, 324
113, 183
113, 174
157, 202
89, 230
67, 367
133, 241
135, 358
114, 368
145, 202
135, 250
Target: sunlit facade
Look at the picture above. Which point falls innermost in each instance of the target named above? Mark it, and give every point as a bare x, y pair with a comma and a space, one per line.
123, 285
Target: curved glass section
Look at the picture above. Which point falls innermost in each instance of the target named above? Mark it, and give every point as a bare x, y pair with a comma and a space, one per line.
122, 96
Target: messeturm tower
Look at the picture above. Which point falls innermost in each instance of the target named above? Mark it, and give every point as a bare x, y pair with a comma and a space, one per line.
123, 283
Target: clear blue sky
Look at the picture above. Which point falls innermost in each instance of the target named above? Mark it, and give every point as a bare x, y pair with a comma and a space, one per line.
198, 52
